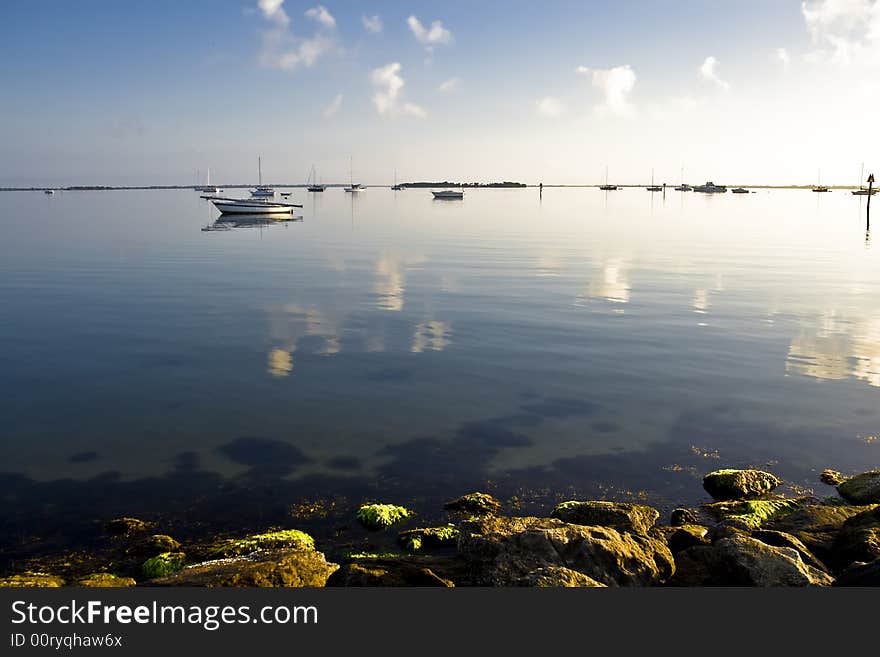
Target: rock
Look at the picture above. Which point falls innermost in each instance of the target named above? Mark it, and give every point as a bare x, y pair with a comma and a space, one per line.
163, 564
832, 477
150, 546
381, 516
860, 574
126, 526
31, 580
386, 572
429, 537
753, 513
816, 526
681, 538
858, 538
502, 551
621, 516
275, 540
862, 489
106, 580
744, 561
681, 517
267, 568
781, 539
739, 484
557, 576
476, 504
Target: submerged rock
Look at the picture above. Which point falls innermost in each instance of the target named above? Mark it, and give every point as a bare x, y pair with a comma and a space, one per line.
31, 580
476, 504
862, 489
619, 515
507, 551
163, 564
741, 560
268, 568
428, 537
274, 540
739, 484
126, 526
106, 580
381, 516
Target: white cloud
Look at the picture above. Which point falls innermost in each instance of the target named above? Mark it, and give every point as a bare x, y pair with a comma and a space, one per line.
550, 107
707, 70
429, 37
322, 16
450, 85
333, 107
844, 31
783, 57
616, 84
372, 24
388, 99
284, 50
272, 10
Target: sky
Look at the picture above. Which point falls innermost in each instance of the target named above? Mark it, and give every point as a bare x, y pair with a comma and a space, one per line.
141, 93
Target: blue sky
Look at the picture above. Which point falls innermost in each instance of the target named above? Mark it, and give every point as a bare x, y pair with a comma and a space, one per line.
151, 92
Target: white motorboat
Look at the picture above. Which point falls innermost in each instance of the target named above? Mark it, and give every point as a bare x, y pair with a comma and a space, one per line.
49, 191
710, 188
353, 187
262, 191
251, 206
449, 193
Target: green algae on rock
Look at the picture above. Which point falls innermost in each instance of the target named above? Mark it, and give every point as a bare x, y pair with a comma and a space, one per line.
381, 516
428, 537
752, 513
106, 580
864, 488
739, 484
621, 516
31, 580
163, 564
274, 540
477, 504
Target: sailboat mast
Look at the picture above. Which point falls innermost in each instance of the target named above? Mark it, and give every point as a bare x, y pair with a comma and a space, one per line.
260, 171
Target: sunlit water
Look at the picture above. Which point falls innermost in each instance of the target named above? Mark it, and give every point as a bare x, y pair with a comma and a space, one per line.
611, 344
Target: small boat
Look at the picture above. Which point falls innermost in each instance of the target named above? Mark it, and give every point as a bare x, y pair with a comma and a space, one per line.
710, 188
352, 187
251, 206
262, 191
653, 187
396, 186
606, 187
862, 190
48, 191
819, 186
739, 190
312, 184
449, 193
285, 194
683, 187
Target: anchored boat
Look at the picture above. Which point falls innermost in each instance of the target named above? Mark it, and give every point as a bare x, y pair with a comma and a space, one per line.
449, 193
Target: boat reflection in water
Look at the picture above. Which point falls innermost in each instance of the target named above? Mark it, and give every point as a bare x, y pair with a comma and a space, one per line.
228, 222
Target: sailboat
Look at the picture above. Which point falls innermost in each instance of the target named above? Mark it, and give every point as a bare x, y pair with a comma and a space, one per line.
396, 186
211, 189
262, 190
653, 187
820, 187
682, 187
351, 186
312, 182
606, 187
862, 190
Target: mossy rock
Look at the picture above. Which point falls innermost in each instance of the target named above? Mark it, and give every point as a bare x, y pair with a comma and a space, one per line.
126, 526
381, 516
622, 516
150, 546
752, 513
163, 564
106, 580
274, 540
31, 580
475, 504
428, 537
739, 484
862, 489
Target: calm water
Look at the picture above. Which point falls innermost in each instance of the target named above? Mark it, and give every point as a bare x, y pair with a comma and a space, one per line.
392, 345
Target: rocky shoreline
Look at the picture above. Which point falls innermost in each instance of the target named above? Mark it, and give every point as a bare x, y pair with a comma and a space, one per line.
747, 537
